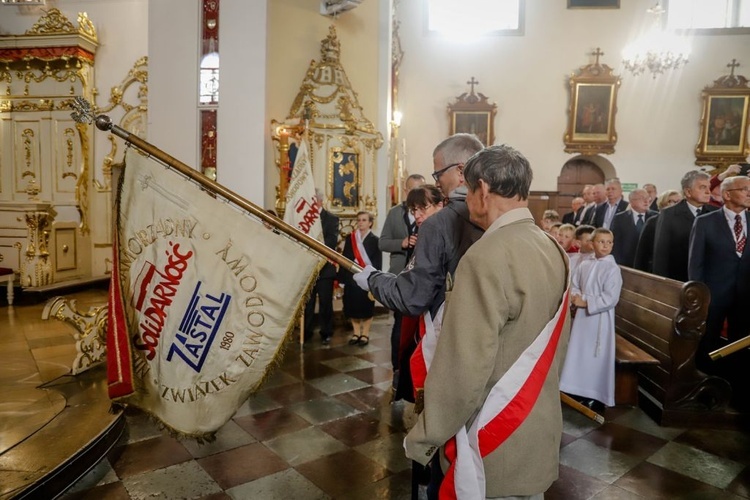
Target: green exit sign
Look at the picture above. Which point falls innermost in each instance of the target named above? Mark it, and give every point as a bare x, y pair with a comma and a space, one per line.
629, 186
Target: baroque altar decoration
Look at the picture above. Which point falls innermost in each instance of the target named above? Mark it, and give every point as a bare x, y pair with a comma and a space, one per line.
342, 143
724, 121
47, 167
593, 105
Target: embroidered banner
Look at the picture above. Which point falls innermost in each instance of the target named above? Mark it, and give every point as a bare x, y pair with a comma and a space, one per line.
301, 210
202, 299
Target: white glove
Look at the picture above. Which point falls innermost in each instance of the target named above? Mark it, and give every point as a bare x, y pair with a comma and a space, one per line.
361, 278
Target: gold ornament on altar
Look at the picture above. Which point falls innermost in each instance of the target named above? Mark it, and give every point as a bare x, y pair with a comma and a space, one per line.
342, 142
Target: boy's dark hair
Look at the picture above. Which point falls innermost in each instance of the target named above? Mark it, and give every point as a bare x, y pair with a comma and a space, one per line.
584, 229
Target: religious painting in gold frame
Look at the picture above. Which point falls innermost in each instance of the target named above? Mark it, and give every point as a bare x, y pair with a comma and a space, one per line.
723, 138
472, 113
345, 180
478, 123
593, 105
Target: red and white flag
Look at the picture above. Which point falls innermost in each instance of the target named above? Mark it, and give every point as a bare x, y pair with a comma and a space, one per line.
301, 210
201, 300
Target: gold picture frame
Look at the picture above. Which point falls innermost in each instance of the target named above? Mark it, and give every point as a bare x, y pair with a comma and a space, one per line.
723, 138
345, 176
593, 4
472, 113
593, 106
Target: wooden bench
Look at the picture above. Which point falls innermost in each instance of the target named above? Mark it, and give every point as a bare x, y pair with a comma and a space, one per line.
628, 360
665, 319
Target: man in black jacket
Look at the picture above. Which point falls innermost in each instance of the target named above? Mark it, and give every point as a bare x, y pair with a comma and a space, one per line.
674, 224
324, 286
628, 225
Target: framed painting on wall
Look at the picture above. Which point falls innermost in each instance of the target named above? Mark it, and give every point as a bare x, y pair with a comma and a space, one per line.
724, 122
593, 4
593, 105
478, 123
472, 113
345, 178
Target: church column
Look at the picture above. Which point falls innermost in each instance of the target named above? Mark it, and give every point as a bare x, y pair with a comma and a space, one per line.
173, 38
174, 43
243, 123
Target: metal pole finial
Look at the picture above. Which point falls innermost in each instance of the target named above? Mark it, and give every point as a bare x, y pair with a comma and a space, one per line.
84, 114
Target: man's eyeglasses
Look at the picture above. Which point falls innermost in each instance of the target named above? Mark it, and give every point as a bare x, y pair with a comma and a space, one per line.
436, 174
745, 189
422, 210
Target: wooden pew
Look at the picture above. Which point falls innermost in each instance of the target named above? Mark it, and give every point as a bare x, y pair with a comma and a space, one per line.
666, 319
628, 360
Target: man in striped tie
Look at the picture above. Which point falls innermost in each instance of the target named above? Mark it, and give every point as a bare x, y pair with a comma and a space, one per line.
720, 258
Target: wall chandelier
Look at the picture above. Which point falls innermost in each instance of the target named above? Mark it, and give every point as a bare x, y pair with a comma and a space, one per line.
656, 50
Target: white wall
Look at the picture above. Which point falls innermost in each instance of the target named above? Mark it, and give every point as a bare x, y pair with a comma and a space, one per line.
242, 98
657, 120
173, 27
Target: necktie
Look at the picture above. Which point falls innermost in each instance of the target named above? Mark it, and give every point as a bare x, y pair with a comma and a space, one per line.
738, 234
639, 224
698, 211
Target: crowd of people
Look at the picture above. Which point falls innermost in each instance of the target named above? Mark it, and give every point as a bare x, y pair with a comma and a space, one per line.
494, 315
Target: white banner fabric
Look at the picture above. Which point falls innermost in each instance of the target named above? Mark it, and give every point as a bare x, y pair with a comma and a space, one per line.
301, 211
209, 295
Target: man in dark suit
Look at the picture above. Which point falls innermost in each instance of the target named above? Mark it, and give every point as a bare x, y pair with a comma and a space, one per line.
324, 285
613, 205
628, 225
720, 258
576, 205
596, 196
674, 224
652, 196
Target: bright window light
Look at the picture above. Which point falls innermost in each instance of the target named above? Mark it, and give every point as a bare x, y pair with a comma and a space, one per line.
704, 14
473, 17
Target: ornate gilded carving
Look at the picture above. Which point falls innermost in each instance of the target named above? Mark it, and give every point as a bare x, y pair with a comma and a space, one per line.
90, 330
328, 108
85, 25
36, 269
27, 136
82, 184
134, 119
70, 168
54, 22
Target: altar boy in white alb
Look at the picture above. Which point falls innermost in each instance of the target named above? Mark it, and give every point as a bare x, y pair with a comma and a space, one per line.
589, 369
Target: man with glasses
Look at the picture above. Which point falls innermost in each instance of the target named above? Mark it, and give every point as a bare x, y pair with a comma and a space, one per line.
720, 258
674, 223
443, 239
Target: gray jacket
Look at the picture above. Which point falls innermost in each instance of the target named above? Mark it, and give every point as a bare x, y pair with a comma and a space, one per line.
394, 232
443, 239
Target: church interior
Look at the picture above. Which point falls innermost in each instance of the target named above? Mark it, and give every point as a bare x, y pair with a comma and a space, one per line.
369, 88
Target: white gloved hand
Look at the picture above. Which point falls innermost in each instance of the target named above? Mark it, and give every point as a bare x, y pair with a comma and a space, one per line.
361, 278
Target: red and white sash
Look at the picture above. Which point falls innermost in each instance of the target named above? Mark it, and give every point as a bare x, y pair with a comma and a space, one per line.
429, 330
360, 255
507, 405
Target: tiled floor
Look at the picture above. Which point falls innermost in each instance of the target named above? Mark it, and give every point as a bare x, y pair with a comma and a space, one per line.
323, 427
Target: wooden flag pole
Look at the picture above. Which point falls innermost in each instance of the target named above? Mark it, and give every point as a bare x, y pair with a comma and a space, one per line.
730, 348
581, 408
84, 114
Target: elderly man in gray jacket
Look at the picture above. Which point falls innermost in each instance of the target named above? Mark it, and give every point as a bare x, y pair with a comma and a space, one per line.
443, 239
491, 397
